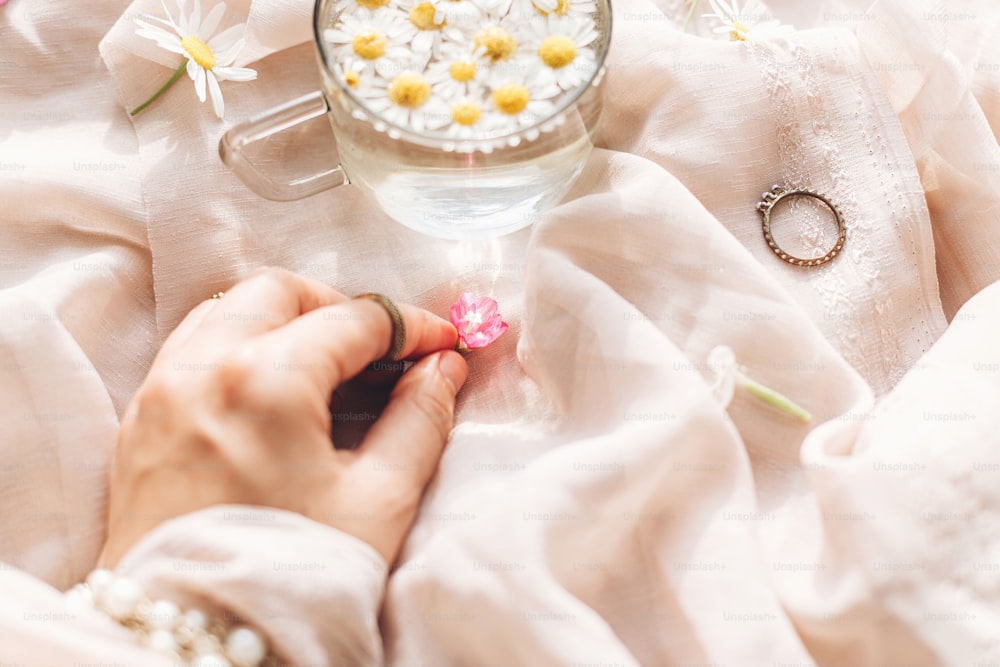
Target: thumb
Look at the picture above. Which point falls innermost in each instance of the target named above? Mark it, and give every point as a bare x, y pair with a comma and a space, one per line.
401, 451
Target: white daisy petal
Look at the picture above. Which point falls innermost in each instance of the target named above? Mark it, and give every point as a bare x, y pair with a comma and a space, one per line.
212, 19
423, 41
183, 27
194, 21
170, 18
242, 74
216, 93
162, 39
225, 58
192, 70
227, 38
199, 82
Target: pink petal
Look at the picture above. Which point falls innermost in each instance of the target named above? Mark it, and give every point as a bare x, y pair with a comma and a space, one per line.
489, 329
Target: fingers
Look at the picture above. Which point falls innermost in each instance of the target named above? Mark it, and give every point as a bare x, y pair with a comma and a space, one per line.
415, 424
337, 342
267, 299
401, 451
185, 329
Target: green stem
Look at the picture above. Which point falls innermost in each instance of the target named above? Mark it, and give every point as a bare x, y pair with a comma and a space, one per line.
687, 21
773, 398
171, 81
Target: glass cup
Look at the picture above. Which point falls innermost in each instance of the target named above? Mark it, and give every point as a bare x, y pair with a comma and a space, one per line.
445, 187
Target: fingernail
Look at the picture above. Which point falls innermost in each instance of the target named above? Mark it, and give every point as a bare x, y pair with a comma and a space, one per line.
453, 368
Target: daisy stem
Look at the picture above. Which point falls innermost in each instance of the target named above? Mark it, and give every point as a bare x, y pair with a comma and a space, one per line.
687, 21
773, 398
171, 81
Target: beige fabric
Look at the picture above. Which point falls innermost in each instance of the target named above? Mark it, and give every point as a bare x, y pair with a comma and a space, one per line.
595, 505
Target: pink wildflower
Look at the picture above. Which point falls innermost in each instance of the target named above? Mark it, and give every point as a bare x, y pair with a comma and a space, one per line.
477, 320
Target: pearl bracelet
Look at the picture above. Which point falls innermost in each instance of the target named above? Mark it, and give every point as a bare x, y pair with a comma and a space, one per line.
162, 626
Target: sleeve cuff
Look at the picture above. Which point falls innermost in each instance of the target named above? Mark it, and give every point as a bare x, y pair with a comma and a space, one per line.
313, 591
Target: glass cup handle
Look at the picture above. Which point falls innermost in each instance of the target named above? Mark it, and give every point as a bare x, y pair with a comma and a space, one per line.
268, 124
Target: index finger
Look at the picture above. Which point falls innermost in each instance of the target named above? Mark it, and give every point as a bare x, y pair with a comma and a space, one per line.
267, 299
337, 342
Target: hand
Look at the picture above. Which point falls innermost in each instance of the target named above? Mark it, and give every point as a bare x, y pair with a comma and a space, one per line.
235, 409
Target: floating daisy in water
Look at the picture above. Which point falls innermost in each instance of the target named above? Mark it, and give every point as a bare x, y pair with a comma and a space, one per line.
457, 72
209, 56
523, 103
379, 36
465, 70
495, 43
560, 43
406, 100
739, 23
428, 20
354, 72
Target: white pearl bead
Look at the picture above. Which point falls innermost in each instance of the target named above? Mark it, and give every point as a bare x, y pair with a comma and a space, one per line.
195, 619
162, 641
163, 615
245, 647
79, 598
121, 597
99, 580
211, 660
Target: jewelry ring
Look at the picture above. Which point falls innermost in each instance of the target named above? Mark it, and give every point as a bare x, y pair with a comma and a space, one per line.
218, 295
398, 339
770, 199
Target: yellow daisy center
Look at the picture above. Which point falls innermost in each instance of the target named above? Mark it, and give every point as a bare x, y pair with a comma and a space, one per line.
739, 32
497, 42
557, 51
373, 4
369, 44
466, 113
409, 90
511, 98
199, 51
562, 8
351, 78
422, 16
462, 70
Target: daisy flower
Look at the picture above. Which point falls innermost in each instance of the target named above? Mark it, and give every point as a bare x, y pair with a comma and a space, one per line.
209, 56
471, 119
406, 100
354, 72
521, 103
382, 37
561, 42
428, 19
739, 22
456, 72
494, 43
